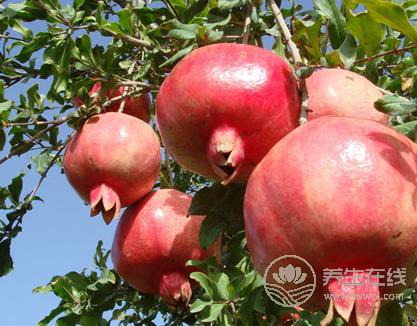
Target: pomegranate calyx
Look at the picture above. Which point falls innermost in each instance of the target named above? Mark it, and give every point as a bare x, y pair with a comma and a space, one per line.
226, 153
105, 200
359, 291
175, 290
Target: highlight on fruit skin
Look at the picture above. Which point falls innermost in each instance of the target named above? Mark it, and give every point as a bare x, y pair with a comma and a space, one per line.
112, 161
340, 193
138, 106
224, 106
153, 241
340, 92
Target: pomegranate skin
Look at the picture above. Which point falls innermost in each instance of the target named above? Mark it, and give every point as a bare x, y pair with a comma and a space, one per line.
112, 161
342, 93
224, 106
138, 106
153, 241
339, 192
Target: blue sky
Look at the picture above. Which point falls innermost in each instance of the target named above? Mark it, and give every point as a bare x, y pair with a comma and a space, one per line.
58, 237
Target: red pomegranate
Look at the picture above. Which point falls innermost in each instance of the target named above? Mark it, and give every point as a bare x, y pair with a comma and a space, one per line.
342, 93
153, 241
138, 106
340, 193
224, 106
112, 161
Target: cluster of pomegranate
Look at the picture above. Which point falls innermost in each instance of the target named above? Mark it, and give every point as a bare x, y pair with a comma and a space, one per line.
338, 191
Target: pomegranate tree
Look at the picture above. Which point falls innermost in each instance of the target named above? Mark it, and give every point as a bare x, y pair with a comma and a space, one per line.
224, 106
342, 93
112, 161
137, 106
341, 193
153, 241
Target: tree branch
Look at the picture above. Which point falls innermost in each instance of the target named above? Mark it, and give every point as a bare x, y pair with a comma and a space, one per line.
19, 149
168, 169
383, 54
296, 58
8, 37
246, 26
287, 34
127, 38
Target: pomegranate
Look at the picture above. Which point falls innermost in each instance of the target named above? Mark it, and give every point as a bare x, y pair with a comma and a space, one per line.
340, 193
343, 93
153, 241
224, 106
112, 161
138, 106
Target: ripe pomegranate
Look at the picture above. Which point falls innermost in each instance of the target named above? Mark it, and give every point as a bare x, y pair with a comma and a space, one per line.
112, 161
138, 106
153, 241
343, 93
338, 192
224, 106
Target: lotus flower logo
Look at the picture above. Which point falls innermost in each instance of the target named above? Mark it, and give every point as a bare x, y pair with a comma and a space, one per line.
289, 281
289, 274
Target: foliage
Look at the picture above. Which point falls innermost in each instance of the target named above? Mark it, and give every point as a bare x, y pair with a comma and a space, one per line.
136, 43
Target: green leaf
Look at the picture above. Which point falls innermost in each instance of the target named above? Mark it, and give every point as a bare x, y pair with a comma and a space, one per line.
107, 277
211, 313
204, 282
391, 14
84, 46
42, 161
369, 33
181, 34
68, 320
199, 305
311, 30
221, 281
197, 7
395, 105
337, 22
206, 198
125, 21
345, 55
177, 56
6, 261
40, 41
3, 138
15, 188
408, 129
229, 4
392, 314
54, 313
43, 289
211, 228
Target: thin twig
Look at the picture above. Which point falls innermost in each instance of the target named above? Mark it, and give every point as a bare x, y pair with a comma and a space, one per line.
120, 97
168, 170
246, 26
12, 38
295, 54
18, 150
51, 163
139, 84
383, 54
7, 124
127, 38
287, 34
